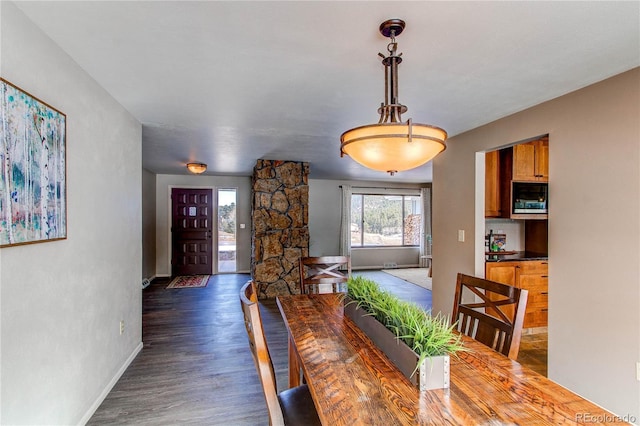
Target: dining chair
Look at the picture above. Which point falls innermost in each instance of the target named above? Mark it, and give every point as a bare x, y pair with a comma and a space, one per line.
293, 406
494, 317
324, 274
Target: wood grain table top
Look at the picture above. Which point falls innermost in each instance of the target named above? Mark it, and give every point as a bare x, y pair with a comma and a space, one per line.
353, 382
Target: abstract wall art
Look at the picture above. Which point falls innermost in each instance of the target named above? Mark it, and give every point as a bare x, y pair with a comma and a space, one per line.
33, 194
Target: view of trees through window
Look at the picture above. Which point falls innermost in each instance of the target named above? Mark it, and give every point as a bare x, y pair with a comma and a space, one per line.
385, 220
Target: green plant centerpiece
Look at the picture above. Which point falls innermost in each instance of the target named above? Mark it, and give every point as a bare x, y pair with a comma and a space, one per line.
430, 339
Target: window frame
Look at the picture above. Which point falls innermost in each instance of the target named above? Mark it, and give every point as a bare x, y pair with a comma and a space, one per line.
402, 217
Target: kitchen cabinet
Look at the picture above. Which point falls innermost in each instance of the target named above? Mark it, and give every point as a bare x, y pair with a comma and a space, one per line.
502, 272
531, 161
531, 275
492, 202
497, 183
535, 279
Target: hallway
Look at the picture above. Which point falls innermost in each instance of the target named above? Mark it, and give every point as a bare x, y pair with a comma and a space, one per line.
195, 367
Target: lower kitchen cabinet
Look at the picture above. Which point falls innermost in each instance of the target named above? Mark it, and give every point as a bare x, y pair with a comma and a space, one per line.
531, 275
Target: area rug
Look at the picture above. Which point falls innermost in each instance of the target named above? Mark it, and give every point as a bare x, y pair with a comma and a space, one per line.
417, 276
189, 281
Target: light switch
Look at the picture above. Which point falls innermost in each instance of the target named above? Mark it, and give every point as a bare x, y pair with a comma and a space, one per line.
242, 226
461, 235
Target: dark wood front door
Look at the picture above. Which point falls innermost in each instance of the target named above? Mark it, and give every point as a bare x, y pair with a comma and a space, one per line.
191, 236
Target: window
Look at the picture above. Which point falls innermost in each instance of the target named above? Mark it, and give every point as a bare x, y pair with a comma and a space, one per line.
385, 220
226, 230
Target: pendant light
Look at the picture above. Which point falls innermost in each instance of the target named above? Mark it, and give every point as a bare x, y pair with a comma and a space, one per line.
392, 145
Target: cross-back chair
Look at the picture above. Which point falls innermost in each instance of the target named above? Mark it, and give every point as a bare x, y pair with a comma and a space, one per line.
496, 320
324, 274
293, 406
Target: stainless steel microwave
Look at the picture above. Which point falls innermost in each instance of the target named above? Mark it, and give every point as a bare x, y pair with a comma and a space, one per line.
529, 198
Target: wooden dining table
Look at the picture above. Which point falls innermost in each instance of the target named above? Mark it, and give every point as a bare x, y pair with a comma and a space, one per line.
353, 383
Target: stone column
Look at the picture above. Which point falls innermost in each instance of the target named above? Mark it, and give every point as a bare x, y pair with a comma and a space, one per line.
280, 225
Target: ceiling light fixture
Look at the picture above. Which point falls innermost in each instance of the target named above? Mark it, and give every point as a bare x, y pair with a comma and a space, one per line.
196, 168
391, 145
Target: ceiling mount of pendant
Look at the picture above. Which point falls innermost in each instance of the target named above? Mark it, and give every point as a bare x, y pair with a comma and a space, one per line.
392, 28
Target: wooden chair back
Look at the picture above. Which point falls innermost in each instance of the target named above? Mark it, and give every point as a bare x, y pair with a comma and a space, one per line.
260, 351
496, 320
324, 274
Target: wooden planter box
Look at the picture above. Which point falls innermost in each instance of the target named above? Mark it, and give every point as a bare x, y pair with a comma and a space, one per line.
433, 373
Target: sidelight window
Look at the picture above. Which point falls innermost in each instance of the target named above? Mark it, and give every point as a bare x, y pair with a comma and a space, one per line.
227, 230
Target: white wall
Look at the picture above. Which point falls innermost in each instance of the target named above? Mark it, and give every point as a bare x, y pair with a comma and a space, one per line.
594, 231
325, 199
164, 183
62, 301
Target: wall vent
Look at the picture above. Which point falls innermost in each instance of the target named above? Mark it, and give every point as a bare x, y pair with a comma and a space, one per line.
390, 265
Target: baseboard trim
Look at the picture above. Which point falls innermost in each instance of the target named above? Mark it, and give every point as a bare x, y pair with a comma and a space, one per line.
381, 267
103, 395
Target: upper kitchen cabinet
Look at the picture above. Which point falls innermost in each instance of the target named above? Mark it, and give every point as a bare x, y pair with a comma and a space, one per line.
497, 183
492, 203
531, 161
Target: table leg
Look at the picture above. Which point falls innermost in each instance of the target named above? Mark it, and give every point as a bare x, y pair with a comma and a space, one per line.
294, 365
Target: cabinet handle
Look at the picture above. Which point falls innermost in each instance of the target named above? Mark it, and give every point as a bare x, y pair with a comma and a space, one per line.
545, 292
544, 276
544, 263
544, 310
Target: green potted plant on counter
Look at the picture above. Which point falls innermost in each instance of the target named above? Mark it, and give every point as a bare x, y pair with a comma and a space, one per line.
418, 343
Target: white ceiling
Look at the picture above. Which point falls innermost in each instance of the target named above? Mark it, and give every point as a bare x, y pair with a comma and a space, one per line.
227, 83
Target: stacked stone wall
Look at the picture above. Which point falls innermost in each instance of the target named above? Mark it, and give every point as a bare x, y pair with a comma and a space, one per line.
280, 225
412, 224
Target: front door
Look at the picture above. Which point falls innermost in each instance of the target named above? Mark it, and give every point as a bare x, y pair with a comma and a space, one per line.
191, 233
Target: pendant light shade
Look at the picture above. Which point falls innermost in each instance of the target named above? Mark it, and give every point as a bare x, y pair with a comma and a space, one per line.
392, 145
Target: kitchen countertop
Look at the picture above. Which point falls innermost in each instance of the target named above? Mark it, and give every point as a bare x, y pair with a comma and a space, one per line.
514, 256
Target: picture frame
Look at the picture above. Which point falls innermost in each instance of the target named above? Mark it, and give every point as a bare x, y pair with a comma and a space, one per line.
33, 172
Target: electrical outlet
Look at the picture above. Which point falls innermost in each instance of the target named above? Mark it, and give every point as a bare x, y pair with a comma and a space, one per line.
461, 235
121, 327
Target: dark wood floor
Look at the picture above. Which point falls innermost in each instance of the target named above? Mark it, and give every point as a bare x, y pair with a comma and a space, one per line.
196, 367
533, 352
